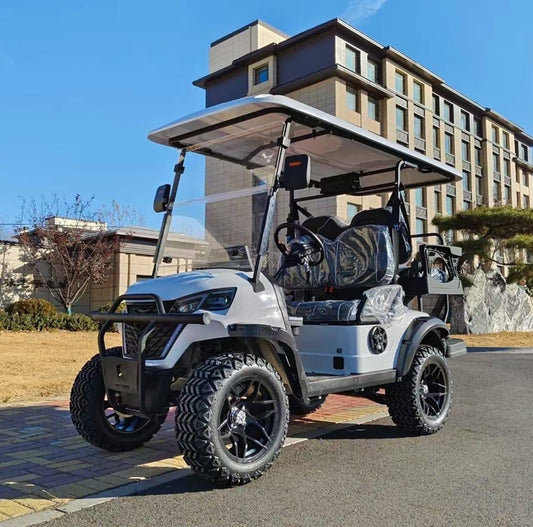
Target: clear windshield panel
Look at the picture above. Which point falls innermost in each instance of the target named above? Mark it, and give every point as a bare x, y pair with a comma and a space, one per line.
220, 229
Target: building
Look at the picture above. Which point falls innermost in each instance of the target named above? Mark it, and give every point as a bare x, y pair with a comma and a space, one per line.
132, 263
337, 69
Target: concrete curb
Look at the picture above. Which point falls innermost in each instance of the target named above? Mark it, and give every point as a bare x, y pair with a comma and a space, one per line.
141, 486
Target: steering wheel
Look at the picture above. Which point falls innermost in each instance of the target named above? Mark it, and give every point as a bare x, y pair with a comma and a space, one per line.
304, 257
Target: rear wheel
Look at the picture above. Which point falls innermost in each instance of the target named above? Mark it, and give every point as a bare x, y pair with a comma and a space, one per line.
420, 403
298, 407
97, 422
232, 418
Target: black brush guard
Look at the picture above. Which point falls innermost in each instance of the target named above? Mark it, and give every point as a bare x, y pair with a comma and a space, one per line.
130, 387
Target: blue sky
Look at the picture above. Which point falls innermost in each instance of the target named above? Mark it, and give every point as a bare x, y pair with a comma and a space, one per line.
82, 83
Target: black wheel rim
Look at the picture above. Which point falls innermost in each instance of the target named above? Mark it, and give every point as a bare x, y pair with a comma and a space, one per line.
248, 420
433, 391
122, 423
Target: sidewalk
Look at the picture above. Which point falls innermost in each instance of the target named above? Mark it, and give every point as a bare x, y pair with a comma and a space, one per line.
44, 464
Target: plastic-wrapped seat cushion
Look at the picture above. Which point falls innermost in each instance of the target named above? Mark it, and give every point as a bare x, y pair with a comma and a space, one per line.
325, 311
361, 257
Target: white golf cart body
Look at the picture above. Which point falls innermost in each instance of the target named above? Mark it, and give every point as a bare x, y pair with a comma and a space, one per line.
326, 355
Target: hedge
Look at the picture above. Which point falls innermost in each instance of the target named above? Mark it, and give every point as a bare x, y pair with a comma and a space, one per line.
38, 315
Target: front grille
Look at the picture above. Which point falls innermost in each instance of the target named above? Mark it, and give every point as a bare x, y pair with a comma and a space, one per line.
157, 340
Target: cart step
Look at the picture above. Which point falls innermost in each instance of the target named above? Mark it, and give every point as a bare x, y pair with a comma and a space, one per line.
324, 384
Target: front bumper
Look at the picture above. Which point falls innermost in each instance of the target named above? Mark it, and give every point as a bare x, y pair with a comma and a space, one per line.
131, 387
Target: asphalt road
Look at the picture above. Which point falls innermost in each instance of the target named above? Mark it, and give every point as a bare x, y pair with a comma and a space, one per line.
478, 470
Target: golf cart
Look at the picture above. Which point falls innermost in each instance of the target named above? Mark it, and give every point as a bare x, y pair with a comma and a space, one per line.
238, 347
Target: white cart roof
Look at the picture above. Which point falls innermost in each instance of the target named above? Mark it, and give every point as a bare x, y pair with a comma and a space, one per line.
245, 131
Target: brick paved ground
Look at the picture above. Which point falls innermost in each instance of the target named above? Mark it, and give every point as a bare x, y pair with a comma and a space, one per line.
44, 463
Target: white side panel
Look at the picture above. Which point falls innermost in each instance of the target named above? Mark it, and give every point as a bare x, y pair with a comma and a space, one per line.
318, 345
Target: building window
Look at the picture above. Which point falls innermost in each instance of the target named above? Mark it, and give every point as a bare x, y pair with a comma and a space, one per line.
352, 209
495, 162
448, 143
352, 59
351, 98
525, 202
467, 205
479, 186
420, 226
477, 156
505, 140
478, 128
436, 105
420, 199
524, 153
400, 82
506, 195
438, 208
496, 191
372, 71
465, 121
448, 112
465, 150
419, 127
506, 167
450, 205
418, 92
524, 178
373, 108
494, 135
436, 137
466, 180
260, 74
401, 119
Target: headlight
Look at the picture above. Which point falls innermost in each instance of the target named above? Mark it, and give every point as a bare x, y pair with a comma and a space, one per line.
217, 300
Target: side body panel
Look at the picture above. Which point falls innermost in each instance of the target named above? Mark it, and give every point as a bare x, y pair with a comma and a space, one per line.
321, 346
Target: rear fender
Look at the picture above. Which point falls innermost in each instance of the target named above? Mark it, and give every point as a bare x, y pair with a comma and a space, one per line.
427, 330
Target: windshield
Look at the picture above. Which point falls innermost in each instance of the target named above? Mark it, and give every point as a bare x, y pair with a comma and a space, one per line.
221, 228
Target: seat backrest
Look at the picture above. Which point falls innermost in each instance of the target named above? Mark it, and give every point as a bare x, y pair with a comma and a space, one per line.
328, 227
386, 216
361, 257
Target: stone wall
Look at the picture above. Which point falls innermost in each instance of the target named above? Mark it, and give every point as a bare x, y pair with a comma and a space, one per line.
492, 305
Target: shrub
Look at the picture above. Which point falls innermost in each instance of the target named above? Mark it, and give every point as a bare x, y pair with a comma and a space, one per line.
32, 306
78, 322
4, 320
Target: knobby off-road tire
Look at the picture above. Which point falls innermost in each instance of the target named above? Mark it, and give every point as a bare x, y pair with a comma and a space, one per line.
231, 418
420, 403
298, 407
97, 422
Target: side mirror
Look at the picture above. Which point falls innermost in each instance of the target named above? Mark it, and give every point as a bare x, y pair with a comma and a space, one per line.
297, 172
162, 196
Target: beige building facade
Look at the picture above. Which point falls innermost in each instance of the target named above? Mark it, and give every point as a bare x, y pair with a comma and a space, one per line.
133, 263
337, 69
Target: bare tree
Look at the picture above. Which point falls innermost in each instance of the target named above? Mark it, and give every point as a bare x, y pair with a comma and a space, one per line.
69, 246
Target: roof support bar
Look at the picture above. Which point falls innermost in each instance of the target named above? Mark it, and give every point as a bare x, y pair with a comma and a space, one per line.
179, 168
284, 142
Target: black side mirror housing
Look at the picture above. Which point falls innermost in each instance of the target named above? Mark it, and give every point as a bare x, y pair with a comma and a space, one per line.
296, 172
161, 199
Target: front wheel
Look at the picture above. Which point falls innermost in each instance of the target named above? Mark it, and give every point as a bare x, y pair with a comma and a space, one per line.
232, 418
420, 403
97, 422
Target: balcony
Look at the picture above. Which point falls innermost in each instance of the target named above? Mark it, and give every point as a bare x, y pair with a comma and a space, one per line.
467, 195
402, 136
496, 176
450, 159
479, 170
479, 199
436, 153
467, 166
420, 144
507, 181
450, 190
